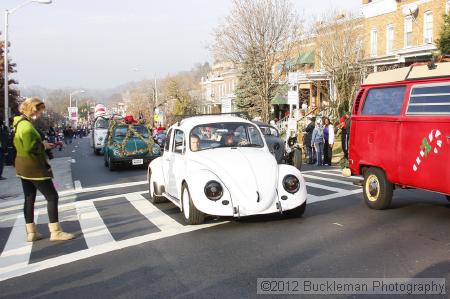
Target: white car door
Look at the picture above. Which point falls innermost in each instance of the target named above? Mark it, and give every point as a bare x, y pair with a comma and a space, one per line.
177, 163
166, 160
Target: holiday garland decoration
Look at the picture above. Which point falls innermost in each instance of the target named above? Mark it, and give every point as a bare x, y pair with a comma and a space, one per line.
129, 122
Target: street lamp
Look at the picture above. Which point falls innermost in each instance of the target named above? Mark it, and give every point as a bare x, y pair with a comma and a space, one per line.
72, 94
6, 62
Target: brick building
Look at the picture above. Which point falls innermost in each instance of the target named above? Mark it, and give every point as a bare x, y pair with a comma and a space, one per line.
401, 32
218, 88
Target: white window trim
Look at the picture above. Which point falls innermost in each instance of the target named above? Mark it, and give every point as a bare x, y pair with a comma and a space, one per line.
390, 26
447, 7
427, 13
373, 50
405, 32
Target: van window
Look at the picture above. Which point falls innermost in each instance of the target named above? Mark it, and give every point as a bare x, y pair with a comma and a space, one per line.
430, 100
384, 101
178, 140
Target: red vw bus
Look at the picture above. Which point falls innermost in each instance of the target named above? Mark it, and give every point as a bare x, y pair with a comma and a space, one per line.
400, 132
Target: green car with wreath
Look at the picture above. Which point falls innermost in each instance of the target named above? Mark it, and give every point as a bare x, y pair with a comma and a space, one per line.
129, 145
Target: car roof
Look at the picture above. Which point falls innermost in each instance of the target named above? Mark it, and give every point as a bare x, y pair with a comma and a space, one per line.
188, 123
408, 74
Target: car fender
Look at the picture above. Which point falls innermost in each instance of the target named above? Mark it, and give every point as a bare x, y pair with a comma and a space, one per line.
156, 170
196, 183
287, 200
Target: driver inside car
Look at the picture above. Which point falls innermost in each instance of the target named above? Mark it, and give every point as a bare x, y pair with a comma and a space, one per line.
195, 143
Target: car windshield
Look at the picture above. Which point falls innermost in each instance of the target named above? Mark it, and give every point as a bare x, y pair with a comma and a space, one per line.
120, 131
142, 130
215, 135
101, 123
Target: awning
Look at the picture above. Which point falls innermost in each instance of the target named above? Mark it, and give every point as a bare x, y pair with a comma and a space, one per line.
306, 58
302, 58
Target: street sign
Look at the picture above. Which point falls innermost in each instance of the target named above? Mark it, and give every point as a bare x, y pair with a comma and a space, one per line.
73, 115
293, 97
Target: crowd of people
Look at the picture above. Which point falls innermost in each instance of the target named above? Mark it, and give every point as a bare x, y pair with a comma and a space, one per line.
319, 136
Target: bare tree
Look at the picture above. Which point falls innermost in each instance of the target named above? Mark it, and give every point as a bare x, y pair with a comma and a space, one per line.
258, 35
339, 44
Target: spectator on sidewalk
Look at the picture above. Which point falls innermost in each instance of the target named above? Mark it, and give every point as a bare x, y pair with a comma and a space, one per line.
344, 124
317, 142
3, 147
35, 171
328, 135
309, 131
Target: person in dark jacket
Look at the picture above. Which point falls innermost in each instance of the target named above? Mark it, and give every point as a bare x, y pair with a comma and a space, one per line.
309, 150
34, 170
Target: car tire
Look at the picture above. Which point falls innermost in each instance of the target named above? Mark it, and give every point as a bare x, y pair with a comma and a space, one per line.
96, 151
111, 165
296, 212
377, 189
152, 197
192, 216
297, 158
448, 197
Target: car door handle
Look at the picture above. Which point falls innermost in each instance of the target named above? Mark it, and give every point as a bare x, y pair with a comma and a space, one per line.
167, 159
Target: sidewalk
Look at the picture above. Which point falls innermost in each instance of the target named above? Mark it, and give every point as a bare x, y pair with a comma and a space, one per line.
11, 188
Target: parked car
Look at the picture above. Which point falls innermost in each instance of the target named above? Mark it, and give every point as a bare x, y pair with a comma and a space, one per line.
222, 166
129, 145
400, 132
286, 154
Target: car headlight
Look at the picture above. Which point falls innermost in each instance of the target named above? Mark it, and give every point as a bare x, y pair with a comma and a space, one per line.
156, 150
213, 190
116, 152
291, 183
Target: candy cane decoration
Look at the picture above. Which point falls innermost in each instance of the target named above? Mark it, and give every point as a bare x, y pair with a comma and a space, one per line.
425, 148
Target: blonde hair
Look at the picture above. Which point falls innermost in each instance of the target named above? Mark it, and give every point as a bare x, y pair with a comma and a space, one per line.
31, 106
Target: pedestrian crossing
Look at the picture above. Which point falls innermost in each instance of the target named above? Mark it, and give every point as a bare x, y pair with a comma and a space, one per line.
107, 223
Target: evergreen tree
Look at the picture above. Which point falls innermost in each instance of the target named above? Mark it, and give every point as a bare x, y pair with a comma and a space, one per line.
13, 97
444, 40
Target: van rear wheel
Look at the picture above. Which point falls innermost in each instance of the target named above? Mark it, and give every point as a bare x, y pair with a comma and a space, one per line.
377, 189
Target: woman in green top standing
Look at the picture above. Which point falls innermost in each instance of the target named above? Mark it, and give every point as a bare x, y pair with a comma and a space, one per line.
35, 171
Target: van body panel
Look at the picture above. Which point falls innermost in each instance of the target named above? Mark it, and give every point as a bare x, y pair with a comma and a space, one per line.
412, 149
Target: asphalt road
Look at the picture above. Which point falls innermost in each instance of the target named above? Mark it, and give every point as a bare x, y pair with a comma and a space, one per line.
338, 237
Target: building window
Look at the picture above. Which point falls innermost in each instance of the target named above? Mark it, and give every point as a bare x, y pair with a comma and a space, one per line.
389, 39
447, 7
373, 43
428, 27
408, 31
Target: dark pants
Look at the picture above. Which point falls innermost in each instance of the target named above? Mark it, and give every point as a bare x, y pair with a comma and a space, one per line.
327, 153
47, 188
345, 144
310, 154
2, 161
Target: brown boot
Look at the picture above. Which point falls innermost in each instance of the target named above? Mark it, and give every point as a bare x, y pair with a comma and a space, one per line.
32, 233
56, 234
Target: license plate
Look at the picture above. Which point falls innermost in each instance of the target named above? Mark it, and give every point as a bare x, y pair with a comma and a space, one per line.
137, 161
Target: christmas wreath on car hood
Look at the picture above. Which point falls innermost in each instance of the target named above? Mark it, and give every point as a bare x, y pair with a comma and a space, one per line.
129, 122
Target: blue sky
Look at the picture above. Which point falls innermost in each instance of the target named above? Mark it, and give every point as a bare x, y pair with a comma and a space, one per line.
98, 43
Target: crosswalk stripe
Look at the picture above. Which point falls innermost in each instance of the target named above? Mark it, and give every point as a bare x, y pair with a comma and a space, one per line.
323, 187
312, 176
313, 198
153, 214
94, 229
17, 250
339, 175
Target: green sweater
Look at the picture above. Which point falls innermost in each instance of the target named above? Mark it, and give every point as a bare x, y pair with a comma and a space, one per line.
31, 160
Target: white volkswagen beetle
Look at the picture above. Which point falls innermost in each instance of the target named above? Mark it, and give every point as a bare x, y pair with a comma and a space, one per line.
221, 166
